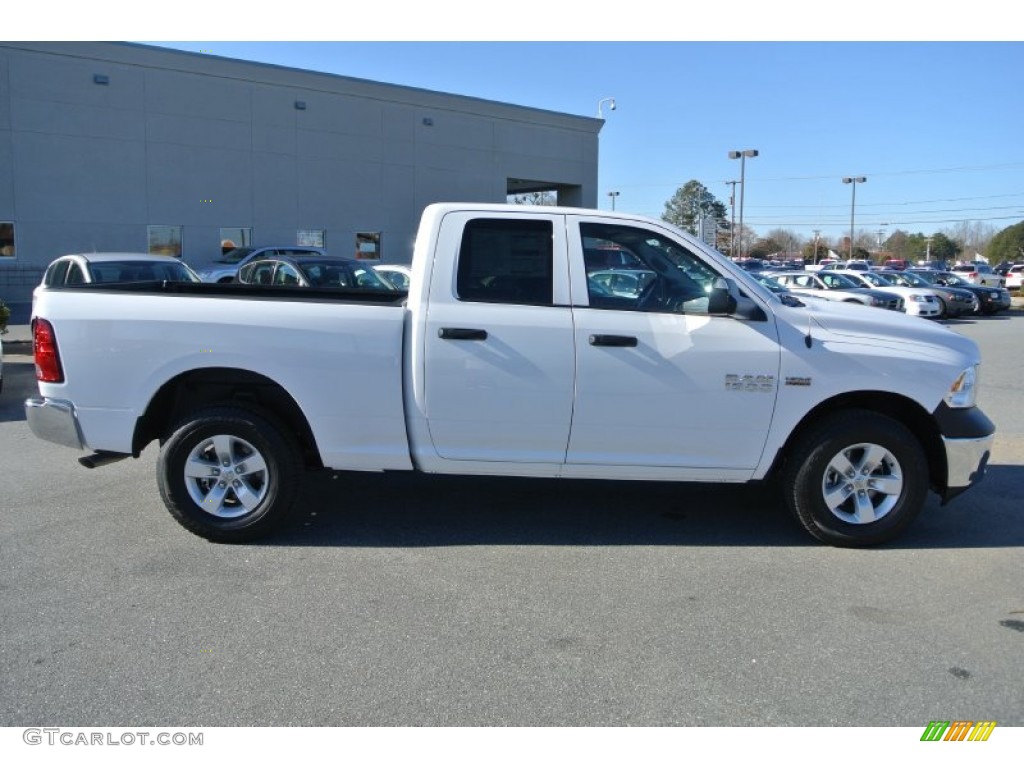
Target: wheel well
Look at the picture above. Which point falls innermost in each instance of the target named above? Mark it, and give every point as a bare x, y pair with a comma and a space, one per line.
897, 407
197, 389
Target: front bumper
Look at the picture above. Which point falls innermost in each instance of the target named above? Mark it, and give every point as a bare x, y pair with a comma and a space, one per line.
54, 421
967, 437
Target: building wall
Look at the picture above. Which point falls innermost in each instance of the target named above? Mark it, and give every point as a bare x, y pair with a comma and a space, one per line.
201, 142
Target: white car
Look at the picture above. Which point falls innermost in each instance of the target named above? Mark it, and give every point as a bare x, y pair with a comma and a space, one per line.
979, 274
1015, 276
835, 286
922, 302
397, 275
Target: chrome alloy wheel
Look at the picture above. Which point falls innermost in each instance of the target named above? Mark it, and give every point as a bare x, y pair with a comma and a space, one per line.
226, 476
862, 483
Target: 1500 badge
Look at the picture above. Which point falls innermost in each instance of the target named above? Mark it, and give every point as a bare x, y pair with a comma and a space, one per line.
749, 383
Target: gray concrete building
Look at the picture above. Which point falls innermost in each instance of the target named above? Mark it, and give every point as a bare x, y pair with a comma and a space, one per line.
124, 147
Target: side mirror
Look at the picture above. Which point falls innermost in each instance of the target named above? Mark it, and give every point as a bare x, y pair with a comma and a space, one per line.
721, 302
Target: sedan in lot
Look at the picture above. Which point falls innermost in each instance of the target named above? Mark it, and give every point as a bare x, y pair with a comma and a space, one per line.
990, 299
920, 302
312, 272
838, 287
955, 301
79, 268
226, 268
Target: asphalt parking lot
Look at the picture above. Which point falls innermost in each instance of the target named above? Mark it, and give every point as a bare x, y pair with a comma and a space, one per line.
404, 600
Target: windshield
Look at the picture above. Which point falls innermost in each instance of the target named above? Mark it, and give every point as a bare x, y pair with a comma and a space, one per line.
876, 280
910, 279
832, 280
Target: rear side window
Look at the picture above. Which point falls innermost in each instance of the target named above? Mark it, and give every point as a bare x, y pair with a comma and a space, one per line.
506, 261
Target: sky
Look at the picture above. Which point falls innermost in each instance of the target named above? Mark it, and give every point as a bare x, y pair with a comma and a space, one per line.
930, 112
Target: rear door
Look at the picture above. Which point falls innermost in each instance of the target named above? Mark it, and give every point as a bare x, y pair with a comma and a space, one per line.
498, 362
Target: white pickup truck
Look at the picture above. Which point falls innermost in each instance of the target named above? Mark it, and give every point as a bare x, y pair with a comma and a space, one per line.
506, 358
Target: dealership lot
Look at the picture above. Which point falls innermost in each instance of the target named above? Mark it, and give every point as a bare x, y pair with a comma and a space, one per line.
407, 600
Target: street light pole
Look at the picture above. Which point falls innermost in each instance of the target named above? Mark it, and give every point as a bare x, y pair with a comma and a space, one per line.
742, 154
732, 222
613, 195
816, 233
853, 180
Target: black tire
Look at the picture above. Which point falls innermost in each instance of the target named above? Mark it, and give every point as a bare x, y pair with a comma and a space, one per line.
885, 493
254, 470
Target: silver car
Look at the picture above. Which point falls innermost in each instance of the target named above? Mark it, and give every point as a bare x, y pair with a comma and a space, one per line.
837, 287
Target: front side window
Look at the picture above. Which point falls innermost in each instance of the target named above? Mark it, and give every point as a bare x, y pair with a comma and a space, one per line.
506, 261
636, 269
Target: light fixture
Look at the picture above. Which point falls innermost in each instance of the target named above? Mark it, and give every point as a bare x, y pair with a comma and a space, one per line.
611, 106
101, 79
742, 154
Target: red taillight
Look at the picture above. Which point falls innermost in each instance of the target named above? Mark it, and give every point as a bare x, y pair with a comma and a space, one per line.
44, 345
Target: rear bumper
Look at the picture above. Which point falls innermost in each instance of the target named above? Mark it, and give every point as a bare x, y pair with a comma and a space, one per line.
54, 421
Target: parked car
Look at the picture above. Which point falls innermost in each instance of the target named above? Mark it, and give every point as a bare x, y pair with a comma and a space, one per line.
226, 267
979, 274
398, 275
1014, 276
628, 283
990, 300
897, 264
955, 301
1, 365
312, 272
838, 287
858, 265
919, 302
78, 268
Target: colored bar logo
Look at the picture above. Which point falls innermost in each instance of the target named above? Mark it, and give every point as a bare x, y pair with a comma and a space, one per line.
958, 730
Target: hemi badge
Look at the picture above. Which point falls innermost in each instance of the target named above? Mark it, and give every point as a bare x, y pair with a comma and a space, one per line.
798, 381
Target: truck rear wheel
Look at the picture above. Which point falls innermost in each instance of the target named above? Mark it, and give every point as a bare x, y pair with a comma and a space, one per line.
856, 479
228, 474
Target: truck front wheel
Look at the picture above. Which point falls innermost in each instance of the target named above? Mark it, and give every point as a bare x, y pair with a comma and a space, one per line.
856, 479
228, 474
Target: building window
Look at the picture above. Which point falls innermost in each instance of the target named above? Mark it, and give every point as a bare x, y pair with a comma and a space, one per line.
235, 237
7, 239
368, 245
311, 237
164, 239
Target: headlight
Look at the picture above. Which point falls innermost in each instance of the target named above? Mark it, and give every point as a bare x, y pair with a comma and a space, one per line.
919, 299
877, 302
964, 390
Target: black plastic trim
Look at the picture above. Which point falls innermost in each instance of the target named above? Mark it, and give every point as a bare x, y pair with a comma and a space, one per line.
962, 423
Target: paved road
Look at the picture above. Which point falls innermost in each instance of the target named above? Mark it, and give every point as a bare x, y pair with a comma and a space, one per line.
401, 600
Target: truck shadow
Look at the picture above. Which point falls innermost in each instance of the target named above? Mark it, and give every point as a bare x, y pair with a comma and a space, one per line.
410, 510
